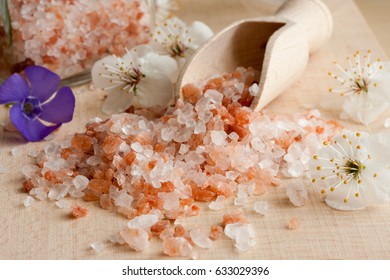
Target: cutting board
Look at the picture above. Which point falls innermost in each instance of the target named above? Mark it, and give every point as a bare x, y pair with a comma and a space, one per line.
44, 231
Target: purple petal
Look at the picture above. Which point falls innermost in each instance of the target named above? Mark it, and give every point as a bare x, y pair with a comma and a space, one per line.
44, 83
59, 109
32, 129
14, 89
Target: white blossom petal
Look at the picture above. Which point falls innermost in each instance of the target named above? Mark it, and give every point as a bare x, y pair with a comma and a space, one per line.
154, 90
117, 101
365, 108
99, 69
199, 33
162, 64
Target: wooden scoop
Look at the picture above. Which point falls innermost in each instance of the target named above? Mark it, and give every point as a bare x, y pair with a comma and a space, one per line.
278, 47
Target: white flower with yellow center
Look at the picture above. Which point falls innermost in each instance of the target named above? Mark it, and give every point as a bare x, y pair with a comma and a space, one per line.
174, 38
141, 78
352, 171
365, 86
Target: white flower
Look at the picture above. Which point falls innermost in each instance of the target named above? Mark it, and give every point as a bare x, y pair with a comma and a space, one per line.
164, 9
353, 171
365, 86
141, 78
174, 38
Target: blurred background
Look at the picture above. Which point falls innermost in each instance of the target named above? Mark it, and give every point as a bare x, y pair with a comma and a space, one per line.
377, 14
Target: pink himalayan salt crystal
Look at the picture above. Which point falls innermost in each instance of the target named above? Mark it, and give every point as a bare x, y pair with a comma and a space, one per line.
154, 178
177, 247
136, 238
293, 224
215, 232
261, 207
79, 211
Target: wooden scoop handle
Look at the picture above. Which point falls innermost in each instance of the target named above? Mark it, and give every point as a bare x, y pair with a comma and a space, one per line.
313, 20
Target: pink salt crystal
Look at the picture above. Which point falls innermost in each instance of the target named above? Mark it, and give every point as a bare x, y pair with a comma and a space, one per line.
136, 238
177, 247
215, 232
293, 223
297, 195
79, 211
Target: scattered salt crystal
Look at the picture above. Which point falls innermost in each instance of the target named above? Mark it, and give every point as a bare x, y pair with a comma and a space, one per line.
136, 238
218, 203
51, 148
117, 239
15, 152
97, 246
232, 175
183, 149
242, 234
55, 164
261, 207
200, 149
137, 147
28, 201
240, 87
297, 195
201, 238
215, 96
293, 223
29, 170
94, 160
62, 204
143, 221
234, 136
387, 123
265, 164
33, 153
177, 247
80, 182
123, 200
94, 120
218, 137
3, 170
171, 200
254, 89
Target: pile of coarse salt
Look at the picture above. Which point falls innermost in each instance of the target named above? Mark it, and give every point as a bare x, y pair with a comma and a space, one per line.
208, 148
68, 36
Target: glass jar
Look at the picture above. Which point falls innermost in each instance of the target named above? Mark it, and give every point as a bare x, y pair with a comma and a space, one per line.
68, 36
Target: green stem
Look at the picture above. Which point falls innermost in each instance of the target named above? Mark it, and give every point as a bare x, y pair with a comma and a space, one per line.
6, 22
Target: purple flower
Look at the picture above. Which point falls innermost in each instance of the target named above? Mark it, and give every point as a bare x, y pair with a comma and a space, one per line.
38, 108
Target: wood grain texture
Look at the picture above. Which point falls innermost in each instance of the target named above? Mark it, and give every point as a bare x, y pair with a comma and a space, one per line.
46, 232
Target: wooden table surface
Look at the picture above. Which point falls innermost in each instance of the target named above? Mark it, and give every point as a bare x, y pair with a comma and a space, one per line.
45, 232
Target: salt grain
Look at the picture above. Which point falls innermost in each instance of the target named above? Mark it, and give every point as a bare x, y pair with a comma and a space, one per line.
62, 204
28, 201
201, 238
293, 224
217, 204
3, 170
98, 246
136, 238
261, 207
297, 195
80, 182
